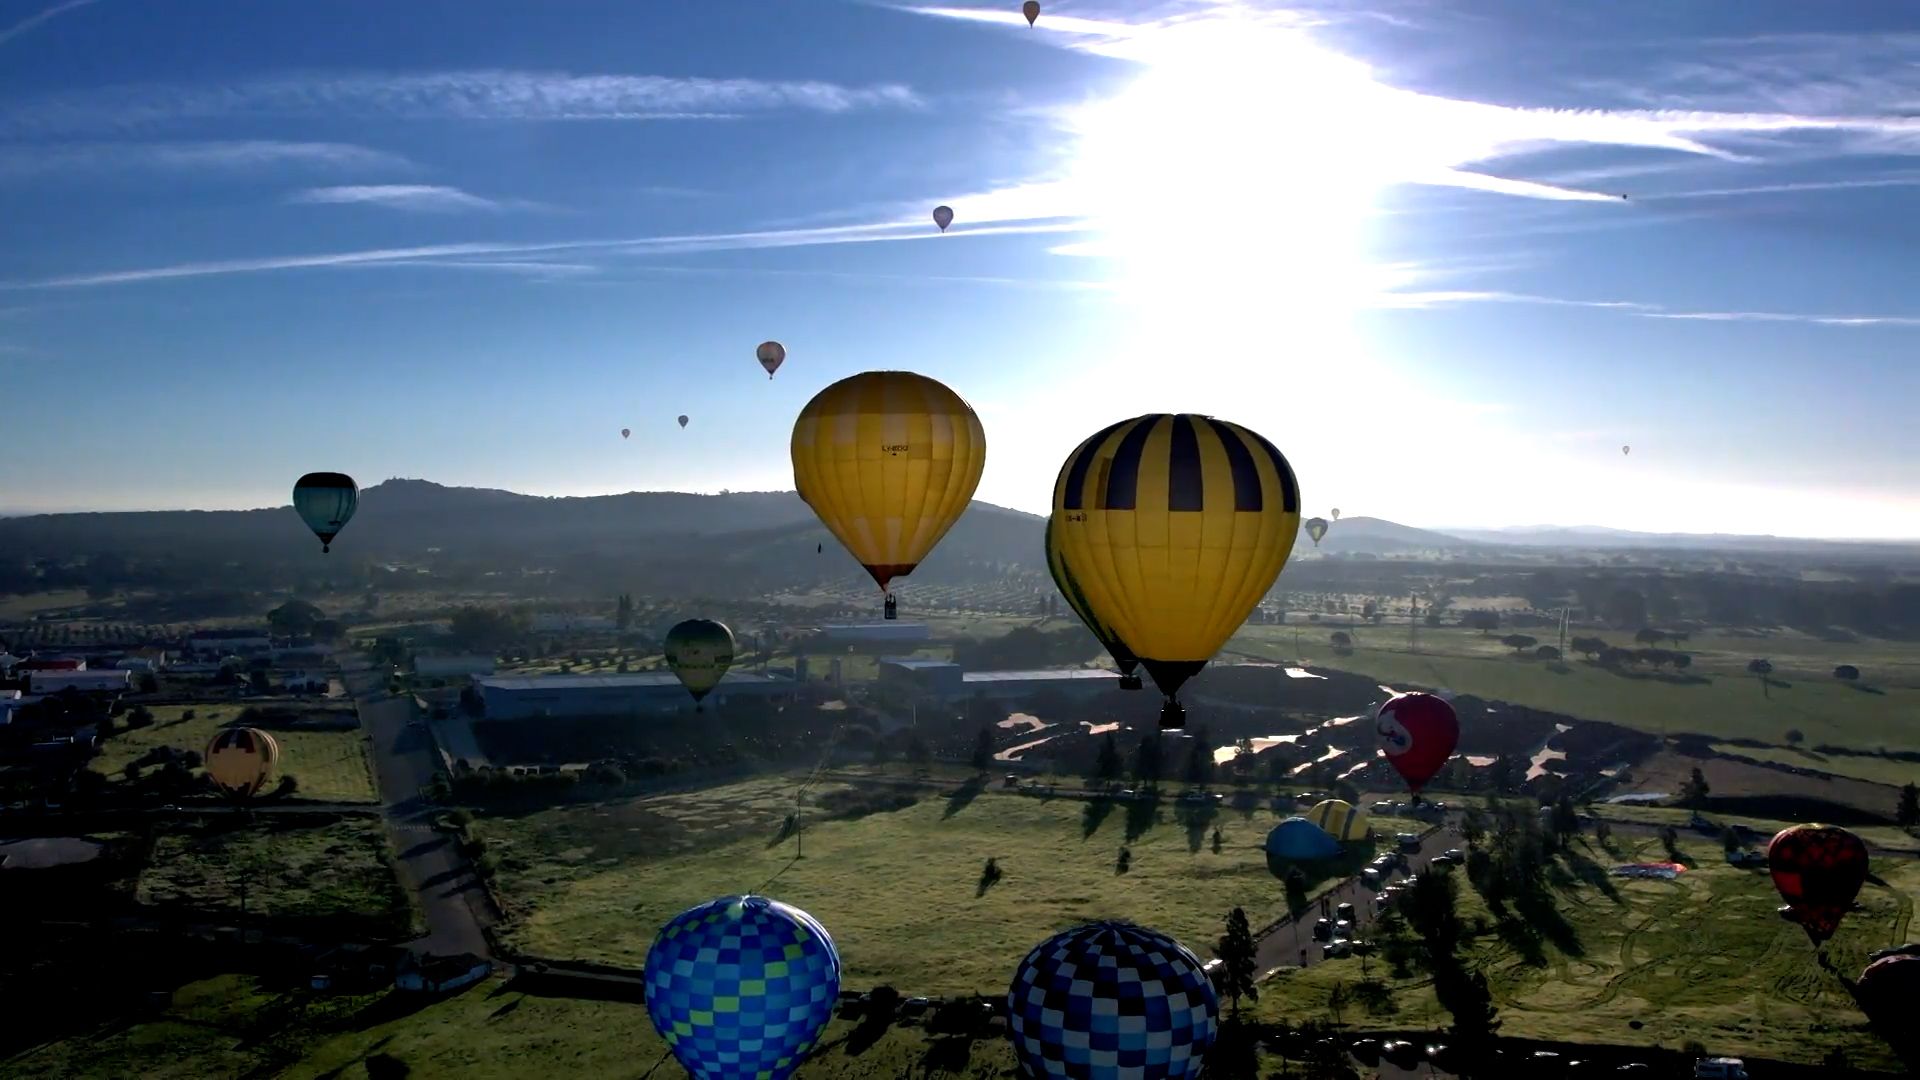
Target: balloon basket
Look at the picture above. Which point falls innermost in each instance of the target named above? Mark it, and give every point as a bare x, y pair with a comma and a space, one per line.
1172, 716
892, 607
1130, 682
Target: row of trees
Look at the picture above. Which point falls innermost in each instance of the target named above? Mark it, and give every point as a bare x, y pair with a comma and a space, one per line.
1147, 764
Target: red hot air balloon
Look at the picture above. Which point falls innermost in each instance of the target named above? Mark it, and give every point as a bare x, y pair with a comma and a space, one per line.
1819, 870
1417, 733
1889, 986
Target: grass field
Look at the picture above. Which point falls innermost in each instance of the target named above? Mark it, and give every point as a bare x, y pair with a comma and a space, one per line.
336, 871
331, 766
1727, 704
898, 890
1701, 958
1882, 835
1874, 769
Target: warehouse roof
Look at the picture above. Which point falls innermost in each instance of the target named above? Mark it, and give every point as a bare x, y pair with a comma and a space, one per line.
1040, 675
635, 681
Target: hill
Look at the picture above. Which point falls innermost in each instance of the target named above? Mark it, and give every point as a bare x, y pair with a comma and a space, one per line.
1377, 536
1592, 537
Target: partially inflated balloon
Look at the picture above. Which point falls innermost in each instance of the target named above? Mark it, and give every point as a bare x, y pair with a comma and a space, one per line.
889, 461
1418, 733
771, 355
1890, 987
325, 501
1818, 870
1112, 1001
624, 432
943, 217
1031, 9
1175, 527
241, 759
1070, 588
699, 651
1316, 528
683, 420
741, 987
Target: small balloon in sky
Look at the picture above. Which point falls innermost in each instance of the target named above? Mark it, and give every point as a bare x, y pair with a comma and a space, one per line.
943, 217
625, 432
683, 419
1626, 450
1316, 528
771, 355
325, 501
1031, 9
1336, 513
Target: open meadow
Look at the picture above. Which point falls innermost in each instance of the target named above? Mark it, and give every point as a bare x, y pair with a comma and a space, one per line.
901, 890
329, 761
287, 868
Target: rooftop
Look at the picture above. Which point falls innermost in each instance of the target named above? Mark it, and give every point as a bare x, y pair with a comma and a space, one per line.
1040, 675
635, 681
915, 663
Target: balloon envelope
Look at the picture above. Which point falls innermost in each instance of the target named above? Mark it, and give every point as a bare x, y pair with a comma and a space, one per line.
1069, 587
699, 651
1626, 450
889, 461
624, 432
771, 355
1031, 9
1889, 987
683, 420
1818, 870
943, 217
741, 987
1175, 527
241, 760
1316, 528
1111, 1001
1298, 839
1341, 819
326, 501
1418, 733
1336, 513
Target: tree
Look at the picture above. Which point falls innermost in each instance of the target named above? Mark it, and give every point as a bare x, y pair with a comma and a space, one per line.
1847, 672
260, 682
1730, 841
1370, 611
1199, 771
1107, 767
1519, 642
982, 751
295, 618
328, 630
1431, 618
1546, 652
1236, 950
1589, 646
623, 612
1795, 737
1147, 760
1761, 669
1483, 621
1475, 1019
1908, 813
1473, 826
1341, 639
1566, 822
484, 629
149, 683
1647, 635
1681, 661
917, 751
1337, 1000
1694, 792
1626, 607
1504, 774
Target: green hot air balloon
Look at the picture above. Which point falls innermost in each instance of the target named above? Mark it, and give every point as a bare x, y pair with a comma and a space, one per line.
1316, 528
325, 501
699, 651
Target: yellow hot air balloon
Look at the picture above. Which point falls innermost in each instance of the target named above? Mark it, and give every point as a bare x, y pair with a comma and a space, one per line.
1341, 819
699, 651
889, 461
241, 759
1175, 526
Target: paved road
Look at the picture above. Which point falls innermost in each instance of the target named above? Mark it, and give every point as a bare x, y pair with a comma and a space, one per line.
1282, 947
404, 761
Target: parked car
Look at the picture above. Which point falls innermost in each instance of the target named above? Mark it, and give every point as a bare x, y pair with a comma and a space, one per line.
1401, 1053
1408, 843
1367, 1050
1443, 1057
1720, 1068
1344, 912
1323, 930
1336, 948
1455, 854
1370, 877
1342, 928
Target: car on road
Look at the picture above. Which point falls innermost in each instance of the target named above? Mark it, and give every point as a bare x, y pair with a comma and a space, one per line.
1443, 1057
1401, 1053
1455, 854
1344, 912
914, 1006
1445, 858
1323, 930
1342, 928
1336, 948
1408, 843
1370, 877
1367, 1050
1720, 1068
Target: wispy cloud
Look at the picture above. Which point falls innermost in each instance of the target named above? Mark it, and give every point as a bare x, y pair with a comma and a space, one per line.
459, 95
192, 156
1912, 180
1448, 298
32, 21
430, 198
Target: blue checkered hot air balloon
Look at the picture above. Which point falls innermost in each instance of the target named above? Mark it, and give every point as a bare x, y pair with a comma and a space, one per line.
1111, 1001
740, 987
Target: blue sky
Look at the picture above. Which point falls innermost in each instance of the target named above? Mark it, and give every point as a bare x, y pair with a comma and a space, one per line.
469, 241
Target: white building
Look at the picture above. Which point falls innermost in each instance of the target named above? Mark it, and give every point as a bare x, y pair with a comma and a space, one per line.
452, 665
85, 682
226, 642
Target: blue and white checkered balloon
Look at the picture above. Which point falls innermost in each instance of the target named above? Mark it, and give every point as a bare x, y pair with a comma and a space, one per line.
740, 987
1111, 1001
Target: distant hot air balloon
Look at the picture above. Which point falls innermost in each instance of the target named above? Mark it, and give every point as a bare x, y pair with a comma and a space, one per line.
1336, 513
741, 987
1418, 733
943, 217
325, 501
771, 355
1031, 9
1112, 1001
1316, 528
240, 760
1626, 450
699, 651
1175, 526
683, 419
1818, 870
624, 432
889, 461
1069, 587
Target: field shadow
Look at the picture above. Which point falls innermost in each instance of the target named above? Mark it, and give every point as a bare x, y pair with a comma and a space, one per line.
1196, 819
1142, 815
962, 796
1865, 689
787, 826
423, 847
1588, 872
1093, 815
948, 1054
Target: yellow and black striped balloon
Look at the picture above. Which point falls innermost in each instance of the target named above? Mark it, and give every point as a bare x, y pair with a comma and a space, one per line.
240, 760
1175, 526
1069, 587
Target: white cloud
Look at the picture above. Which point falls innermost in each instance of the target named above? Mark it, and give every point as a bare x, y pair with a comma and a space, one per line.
432, 198
32, 21
463, 95
192, 156
1447, 298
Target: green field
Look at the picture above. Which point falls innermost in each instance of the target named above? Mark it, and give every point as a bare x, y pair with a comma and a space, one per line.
898, 890
1728, 704
1882, 835
1702, 958
290, 870
1875, 769
330, 765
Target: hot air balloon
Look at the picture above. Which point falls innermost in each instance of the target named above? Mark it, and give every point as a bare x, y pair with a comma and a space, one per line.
624, 432
1031, 9
1111, 1001
1626, 450
1418, 733
1818, 870
889, 461
1336, 513
699, 651
741, 987
1175, 526
240, 760
1889, 986
1316, 528
683, 419
771, 355
1070, 588
1341, 819
943, 217
325, 501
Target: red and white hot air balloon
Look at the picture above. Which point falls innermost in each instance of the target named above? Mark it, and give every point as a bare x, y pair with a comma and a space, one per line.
1418, 733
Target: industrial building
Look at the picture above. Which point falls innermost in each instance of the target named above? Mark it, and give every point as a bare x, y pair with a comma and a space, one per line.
531, 697
447, 666
943, 680
842, 635
84, 682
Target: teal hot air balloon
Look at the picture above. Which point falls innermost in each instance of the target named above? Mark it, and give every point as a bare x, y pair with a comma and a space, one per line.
325, 501
699, 651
